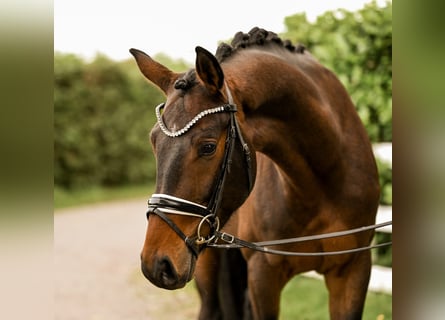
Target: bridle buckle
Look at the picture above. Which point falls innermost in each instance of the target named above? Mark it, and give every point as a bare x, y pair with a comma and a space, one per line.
227, 237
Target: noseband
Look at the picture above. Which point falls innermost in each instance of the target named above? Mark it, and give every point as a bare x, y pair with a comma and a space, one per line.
163, 204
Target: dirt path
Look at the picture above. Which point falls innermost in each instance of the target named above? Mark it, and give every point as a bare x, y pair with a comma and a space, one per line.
97, 273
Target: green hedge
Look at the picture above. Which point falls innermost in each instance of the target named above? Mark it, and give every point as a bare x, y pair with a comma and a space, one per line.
103, 112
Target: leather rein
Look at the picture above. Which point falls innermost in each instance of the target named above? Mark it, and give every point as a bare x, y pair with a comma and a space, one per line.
164, 205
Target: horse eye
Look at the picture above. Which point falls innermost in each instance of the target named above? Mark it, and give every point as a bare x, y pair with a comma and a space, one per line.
207, 149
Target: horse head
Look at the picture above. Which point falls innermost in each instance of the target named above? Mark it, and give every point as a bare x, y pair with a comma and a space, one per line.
201, 166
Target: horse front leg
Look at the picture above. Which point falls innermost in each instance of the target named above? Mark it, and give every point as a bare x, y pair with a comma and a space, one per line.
348, 286
221, 278
206, 278
265, 283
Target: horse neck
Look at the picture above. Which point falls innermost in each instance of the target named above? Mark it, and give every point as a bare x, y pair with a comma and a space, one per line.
288, 117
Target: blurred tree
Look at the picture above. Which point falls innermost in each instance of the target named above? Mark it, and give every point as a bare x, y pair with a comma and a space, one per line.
103, 112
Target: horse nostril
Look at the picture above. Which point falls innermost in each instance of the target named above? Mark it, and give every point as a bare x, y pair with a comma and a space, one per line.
166, 272
161, 272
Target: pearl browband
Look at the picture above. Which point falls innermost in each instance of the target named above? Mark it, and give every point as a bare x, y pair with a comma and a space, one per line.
228, 107
174, 134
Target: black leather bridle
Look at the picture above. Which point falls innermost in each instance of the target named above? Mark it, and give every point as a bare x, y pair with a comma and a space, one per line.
162, 204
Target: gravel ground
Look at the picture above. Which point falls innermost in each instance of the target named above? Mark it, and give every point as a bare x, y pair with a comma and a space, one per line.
97, 273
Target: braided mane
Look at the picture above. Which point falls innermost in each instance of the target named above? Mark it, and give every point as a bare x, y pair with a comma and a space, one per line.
255, 37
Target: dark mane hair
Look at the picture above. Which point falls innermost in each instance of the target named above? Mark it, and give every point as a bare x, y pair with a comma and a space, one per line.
255, 37
187, 81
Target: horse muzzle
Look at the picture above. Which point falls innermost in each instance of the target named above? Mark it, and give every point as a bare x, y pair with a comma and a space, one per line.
163, 273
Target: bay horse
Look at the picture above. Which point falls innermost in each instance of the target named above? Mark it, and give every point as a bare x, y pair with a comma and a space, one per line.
261, 141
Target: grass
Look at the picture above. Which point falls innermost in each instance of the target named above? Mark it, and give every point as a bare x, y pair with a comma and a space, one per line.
303, 298
70, 198
307, 299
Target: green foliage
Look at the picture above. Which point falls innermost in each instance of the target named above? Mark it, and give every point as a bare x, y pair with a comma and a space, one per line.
357, 46
103, 112
385, 179
383, 255
306, 298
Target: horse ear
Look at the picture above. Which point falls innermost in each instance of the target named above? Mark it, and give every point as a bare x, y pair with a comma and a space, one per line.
154, 71
209, 70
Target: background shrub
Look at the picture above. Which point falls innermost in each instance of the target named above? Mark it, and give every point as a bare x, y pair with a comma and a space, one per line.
103, 113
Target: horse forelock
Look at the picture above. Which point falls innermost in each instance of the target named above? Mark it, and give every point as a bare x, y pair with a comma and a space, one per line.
255, 37
186, 81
